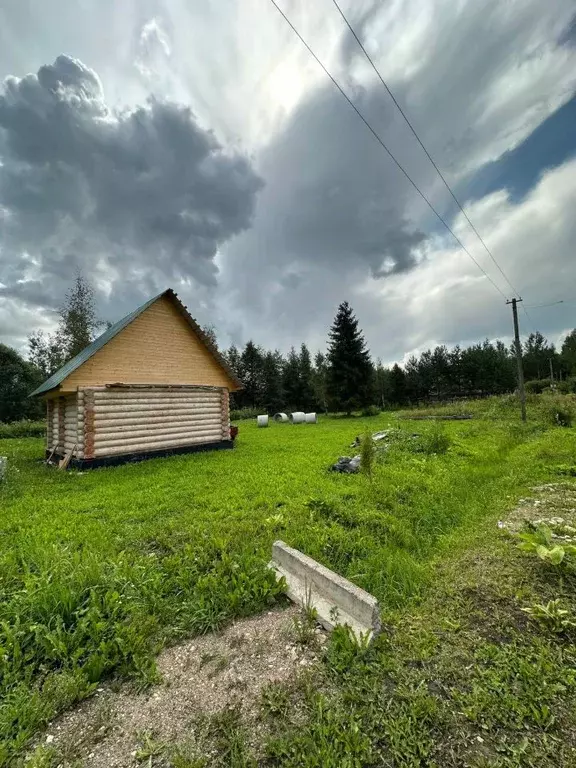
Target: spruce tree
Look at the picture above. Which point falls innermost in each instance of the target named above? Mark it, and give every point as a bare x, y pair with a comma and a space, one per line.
306, 379
349, 375
232, 356
398, 391
272, 396
319, 382
291, 381
569, 353
252, 375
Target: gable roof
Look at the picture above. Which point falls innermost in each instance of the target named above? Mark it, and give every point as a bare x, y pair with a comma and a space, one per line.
57, 378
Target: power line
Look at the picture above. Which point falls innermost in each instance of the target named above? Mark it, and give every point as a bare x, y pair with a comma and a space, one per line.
488, 251
552, 304
529, 319
383, 145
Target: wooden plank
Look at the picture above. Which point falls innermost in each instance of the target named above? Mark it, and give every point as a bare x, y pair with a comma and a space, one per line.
67, 458
51, 454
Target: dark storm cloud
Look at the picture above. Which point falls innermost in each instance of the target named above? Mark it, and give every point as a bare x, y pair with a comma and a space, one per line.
332, 197
332, 214
147, 187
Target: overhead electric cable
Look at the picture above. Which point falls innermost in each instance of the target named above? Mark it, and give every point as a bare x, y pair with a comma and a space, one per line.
552, 304
529, 318
383, 145
417, 137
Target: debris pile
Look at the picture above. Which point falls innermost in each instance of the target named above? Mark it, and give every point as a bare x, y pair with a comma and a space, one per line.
383, 440
377, 437
346, 465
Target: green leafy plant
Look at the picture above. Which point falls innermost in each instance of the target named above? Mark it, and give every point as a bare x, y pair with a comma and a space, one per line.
275, 700
566, 469
551, 616
305, 623
149, 748
434, 441
538, 539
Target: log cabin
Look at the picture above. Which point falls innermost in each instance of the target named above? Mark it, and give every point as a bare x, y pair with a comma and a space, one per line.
151, 385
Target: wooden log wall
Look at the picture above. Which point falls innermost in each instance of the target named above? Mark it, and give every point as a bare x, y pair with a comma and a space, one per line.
139, 419
49, 425
61, 407
61, 423
70, 424
55, 427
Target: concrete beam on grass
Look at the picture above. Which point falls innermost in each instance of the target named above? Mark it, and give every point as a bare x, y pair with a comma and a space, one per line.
336, 600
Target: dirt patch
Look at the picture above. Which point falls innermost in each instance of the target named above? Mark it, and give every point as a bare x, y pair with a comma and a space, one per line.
201, 677
550, 501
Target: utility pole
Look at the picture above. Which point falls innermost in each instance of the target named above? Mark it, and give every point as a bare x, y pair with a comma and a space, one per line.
551, 369
518, 348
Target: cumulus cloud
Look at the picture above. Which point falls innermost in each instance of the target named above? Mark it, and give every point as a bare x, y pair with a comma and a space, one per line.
449, 301
337, 219
128, 195
153, 58
81, 183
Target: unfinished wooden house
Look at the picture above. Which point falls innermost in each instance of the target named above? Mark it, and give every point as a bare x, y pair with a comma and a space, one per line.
151, 385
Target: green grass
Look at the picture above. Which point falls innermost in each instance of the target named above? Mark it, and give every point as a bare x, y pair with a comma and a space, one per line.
99, 569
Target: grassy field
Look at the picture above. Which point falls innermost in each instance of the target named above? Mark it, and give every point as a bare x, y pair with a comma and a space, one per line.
100, 569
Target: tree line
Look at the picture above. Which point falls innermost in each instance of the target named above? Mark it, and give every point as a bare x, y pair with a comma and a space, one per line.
297, 381
343, 378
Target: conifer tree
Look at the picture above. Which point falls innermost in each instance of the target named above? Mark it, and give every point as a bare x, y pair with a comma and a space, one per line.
349, 376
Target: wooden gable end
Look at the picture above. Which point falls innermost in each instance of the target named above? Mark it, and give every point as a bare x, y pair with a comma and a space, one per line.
158, 347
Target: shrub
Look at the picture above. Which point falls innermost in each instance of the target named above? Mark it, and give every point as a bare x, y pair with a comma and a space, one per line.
22, 428
537, 386
563, 417
559, 412
371, 410
434, 441
245, 413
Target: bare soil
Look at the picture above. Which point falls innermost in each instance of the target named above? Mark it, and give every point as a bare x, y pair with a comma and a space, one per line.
199, 678
550, 502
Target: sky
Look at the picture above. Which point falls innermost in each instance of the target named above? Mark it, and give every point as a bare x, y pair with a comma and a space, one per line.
199, 146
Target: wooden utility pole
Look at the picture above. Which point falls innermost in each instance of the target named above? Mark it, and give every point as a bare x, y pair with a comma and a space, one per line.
518, 348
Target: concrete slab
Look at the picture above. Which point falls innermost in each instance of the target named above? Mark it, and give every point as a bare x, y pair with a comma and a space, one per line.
337, 601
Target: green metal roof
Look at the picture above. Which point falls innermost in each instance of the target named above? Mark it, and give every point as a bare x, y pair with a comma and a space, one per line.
57, 378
